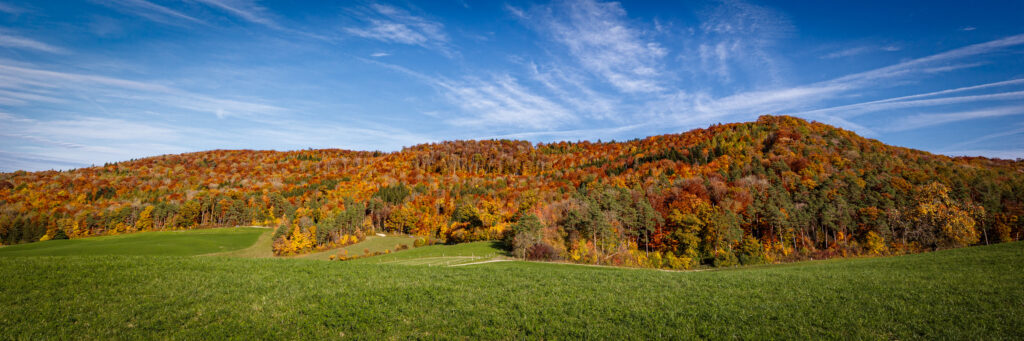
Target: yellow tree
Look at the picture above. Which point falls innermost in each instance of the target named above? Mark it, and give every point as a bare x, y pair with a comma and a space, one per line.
952, 221
145, 222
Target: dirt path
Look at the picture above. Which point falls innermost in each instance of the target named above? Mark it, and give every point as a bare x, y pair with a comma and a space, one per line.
484, 262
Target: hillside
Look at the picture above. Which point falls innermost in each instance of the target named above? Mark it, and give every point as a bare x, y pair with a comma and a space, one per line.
776, 189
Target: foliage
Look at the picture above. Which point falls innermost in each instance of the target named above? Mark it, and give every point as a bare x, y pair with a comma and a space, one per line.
778, 189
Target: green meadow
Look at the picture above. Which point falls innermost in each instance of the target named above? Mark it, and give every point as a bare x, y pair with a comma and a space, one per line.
370, 245
153, 286
161, 243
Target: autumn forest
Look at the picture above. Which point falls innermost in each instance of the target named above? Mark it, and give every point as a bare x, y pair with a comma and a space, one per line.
778, 189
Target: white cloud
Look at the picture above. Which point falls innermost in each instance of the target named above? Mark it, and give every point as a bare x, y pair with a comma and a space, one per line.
1008, 154
932, 119
10, 9
395, 25
853, 51
601, 39
244, 9
859, 50
853, 110
8, 39
149, 10
737, 37
1019, 130
574, 134
920, 64
503, 101
35, 144
379, 54
37, 85
571, 88
390, 32
923, 95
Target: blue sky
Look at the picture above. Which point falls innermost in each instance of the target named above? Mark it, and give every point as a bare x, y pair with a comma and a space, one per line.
96, 81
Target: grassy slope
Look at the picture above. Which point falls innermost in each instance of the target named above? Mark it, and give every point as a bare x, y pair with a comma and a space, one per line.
965, 293
440, 255
261, 248
372, 243
164, 243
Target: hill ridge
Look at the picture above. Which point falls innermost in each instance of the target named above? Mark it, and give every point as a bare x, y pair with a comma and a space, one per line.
778, 188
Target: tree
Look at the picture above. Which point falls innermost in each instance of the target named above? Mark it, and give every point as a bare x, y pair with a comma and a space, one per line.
524, 235
952, 221
145, 222
189, 214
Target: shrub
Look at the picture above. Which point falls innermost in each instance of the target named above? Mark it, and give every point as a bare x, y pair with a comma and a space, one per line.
60, 235
724, 258
751, 251
542, 251
678, 263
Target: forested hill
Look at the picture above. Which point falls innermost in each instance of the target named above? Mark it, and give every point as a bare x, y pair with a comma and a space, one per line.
777, 189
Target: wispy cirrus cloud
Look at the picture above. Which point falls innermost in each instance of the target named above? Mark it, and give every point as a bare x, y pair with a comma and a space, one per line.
1017, 130
204, 11
11, 9
853, 110
79, 141
149, 10
931, 119
567, 86
801, 100
504, 101
244, 9
394, 25
30, 85
497, 101
599, 36
919, 65
8, 39
572, 134
1008, 154
858, 50
735, 42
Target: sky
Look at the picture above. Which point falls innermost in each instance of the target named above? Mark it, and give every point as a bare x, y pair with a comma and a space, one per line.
89, 82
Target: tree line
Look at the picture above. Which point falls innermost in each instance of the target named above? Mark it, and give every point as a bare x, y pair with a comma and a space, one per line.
777, 189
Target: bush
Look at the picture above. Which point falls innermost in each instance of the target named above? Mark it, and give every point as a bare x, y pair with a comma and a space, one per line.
542, 251
524, 235
724, 259
678, 263
60, 235
751, 252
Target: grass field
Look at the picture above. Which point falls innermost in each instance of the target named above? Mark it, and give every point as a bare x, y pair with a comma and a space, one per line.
161, 243
441, 255
966, 293
371, 243
261, 248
